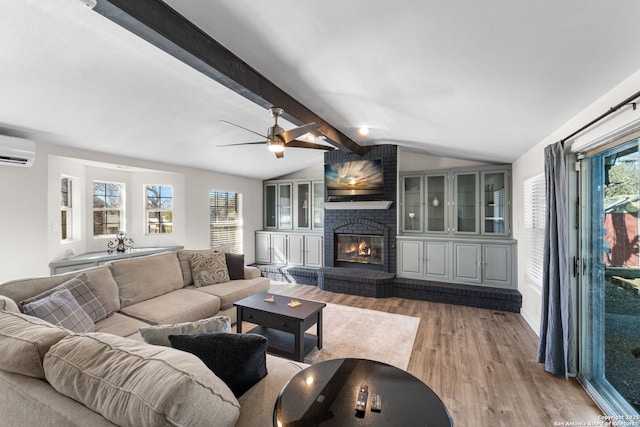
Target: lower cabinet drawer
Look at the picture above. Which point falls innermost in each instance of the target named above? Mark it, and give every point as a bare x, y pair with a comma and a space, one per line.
268, 320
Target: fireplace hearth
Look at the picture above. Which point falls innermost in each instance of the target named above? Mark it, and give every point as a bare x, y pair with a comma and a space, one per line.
360, 248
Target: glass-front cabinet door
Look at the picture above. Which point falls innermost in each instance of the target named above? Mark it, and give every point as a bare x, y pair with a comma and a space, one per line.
412, 198
318, 204
466, 203
271, 206
436, 203
285, 208
294, 205
494, 203
303, 205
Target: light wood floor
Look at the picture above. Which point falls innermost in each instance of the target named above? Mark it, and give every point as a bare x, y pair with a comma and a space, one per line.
481, 363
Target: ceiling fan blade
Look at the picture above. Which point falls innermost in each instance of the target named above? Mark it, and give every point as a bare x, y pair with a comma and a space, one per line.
241, 127
243, 143
290, 135
304, 144
279, 154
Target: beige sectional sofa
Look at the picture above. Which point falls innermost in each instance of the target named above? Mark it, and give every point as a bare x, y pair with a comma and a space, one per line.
44, 380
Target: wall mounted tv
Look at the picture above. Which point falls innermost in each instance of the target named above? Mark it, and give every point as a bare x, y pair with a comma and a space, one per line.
356, 179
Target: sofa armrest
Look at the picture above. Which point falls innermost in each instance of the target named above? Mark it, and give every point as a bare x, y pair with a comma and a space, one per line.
7, 304
251, 272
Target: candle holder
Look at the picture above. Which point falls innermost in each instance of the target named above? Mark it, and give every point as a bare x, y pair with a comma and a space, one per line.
121, 243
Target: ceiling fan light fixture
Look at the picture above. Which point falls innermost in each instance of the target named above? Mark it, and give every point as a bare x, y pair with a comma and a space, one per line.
363, 131
275, 146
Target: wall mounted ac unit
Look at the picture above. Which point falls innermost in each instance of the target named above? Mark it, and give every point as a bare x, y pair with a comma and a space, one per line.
17, 151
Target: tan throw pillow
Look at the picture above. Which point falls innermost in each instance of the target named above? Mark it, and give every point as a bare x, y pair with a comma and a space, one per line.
159, 334
185, 255
209, 269
61, 309
135, 384
24, 340
84, 292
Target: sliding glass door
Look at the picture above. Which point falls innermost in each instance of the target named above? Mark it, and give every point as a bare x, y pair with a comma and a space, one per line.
610, 283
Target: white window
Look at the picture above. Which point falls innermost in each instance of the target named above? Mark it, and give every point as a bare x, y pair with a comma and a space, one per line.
159, 209
66, 208
108, 208
225, 221
534, 222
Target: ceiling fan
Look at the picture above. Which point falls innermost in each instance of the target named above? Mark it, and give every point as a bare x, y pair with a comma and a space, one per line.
277, 138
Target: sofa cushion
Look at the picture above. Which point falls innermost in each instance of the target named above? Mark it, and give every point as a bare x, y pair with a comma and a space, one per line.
251, 272
237, 359
28, 401
140, 279
120, 324
24, 340
84, 292
61, 309
235, 265
136, 384
183, 305
159, 334
209, 268
235, 290
7, 304
185, 260
257, 403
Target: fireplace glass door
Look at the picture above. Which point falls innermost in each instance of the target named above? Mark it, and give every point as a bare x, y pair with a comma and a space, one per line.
358, 248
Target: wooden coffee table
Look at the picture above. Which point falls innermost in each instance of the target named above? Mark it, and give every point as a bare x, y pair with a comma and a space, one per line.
284, 326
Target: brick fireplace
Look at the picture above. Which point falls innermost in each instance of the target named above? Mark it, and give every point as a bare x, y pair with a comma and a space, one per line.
381, 223
360, 242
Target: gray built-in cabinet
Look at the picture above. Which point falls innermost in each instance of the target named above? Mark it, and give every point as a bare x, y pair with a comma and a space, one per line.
455, 226
293, 223
274, 247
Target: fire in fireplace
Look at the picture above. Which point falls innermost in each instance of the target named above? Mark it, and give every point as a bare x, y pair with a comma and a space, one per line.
364, 249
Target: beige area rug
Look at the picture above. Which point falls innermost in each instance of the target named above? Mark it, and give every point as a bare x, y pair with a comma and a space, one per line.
365, 334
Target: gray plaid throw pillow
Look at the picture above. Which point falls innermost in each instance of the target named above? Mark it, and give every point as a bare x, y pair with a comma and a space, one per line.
61, 309
85, 294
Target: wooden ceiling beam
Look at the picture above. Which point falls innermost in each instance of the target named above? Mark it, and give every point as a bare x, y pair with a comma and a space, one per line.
163, 27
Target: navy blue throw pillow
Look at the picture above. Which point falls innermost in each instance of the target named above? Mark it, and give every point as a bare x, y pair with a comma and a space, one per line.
240, 360
235, 265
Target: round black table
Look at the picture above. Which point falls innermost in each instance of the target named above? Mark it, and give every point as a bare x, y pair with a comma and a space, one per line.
325, 395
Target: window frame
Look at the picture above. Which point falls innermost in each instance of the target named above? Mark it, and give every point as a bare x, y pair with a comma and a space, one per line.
159, 210
121, 209
66, 210
232, 228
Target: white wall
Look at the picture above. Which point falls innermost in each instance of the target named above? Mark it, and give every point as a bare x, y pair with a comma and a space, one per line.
30, 214
409, 161
532, 163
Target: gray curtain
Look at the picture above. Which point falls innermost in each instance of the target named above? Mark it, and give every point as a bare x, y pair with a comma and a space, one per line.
553, 348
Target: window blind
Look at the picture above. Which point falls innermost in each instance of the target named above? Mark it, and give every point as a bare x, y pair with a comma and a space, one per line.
534, 222
225, 222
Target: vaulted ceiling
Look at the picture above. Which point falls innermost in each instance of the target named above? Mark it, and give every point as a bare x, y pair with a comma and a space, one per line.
475, 80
